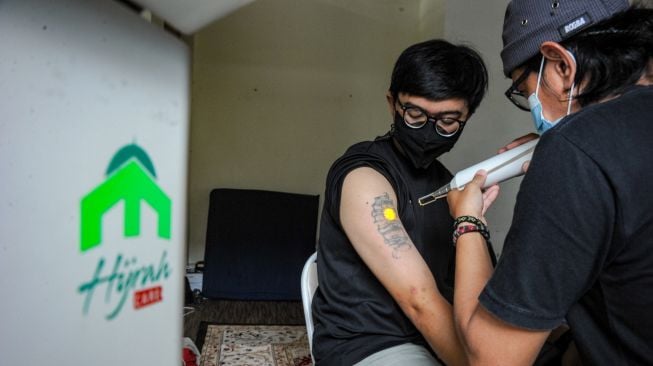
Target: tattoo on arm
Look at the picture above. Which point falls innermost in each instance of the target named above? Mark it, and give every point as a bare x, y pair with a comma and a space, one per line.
389, 226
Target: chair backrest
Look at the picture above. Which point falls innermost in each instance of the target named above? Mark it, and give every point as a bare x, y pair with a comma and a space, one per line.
261, 261
309, 285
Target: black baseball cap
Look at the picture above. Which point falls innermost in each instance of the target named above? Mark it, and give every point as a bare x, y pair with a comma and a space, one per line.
529, 23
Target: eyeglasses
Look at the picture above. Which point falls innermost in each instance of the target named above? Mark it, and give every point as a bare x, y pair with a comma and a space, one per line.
415, 117
517, 97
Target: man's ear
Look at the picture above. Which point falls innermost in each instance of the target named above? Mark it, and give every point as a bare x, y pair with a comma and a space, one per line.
564, 64
391, 103
647, 75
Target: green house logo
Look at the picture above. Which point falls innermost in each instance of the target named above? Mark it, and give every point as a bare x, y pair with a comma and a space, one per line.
131, 179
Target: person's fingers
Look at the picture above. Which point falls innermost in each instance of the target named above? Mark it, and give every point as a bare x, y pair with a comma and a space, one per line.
524, 167
489, 196
479, 179
519, 141
522, 140
469, 200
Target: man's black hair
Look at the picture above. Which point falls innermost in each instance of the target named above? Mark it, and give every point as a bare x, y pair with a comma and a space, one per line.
611, 55
438, 70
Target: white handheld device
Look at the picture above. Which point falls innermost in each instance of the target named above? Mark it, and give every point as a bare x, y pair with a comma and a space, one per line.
499, 168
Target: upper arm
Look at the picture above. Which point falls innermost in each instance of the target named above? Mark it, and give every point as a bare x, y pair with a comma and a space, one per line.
370, 218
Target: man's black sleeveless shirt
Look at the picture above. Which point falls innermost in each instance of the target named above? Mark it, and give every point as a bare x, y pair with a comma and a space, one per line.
354, 315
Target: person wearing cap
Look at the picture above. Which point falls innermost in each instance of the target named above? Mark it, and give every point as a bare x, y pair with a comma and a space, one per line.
384, 263
580, 248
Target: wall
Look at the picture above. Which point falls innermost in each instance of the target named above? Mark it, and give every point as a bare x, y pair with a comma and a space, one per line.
282, 87
497, 121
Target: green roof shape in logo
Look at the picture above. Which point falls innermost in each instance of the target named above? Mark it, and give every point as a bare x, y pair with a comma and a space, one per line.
130, 178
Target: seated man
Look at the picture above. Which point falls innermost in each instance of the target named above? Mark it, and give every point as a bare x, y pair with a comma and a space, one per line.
385, 264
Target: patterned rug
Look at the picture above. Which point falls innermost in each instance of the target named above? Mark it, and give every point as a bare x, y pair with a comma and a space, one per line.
255, 345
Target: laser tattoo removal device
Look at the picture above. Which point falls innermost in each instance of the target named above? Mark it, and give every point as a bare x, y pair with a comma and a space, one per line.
499, 168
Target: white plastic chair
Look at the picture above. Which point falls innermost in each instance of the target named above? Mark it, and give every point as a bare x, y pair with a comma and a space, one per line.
309, 285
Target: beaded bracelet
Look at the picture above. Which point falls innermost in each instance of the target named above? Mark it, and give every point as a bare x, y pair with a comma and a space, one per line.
482, 228
470, 219
464, 229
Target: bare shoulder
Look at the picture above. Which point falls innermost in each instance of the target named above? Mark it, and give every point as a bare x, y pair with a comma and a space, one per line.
366, 181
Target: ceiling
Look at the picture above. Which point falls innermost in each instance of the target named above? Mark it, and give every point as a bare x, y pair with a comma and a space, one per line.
188, 16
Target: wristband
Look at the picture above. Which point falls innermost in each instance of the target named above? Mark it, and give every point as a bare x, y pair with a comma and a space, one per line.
470, 229
470, 219
480, 227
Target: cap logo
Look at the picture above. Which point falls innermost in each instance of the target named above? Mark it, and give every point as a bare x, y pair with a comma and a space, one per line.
575, 25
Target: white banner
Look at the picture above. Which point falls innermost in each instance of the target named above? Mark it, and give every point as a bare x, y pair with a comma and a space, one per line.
93, 156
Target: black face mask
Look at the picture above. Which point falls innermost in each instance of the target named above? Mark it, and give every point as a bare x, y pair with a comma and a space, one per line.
422, 145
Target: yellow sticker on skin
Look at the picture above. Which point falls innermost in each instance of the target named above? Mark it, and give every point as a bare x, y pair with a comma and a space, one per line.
389, 214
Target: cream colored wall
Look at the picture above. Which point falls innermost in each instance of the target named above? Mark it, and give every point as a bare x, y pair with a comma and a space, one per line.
497, 121
282, 87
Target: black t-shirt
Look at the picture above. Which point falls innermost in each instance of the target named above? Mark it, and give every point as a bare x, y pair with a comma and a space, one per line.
353, 313
580, 245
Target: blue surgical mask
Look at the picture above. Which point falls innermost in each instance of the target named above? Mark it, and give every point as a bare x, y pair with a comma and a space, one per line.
541, 123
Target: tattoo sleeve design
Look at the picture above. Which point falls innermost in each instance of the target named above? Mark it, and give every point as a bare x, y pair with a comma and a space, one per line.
388, 225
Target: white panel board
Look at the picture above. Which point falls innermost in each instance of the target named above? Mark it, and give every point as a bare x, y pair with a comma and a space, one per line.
93, 104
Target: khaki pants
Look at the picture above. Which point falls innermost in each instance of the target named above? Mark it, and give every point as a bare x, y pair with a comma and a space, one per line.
401, 355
